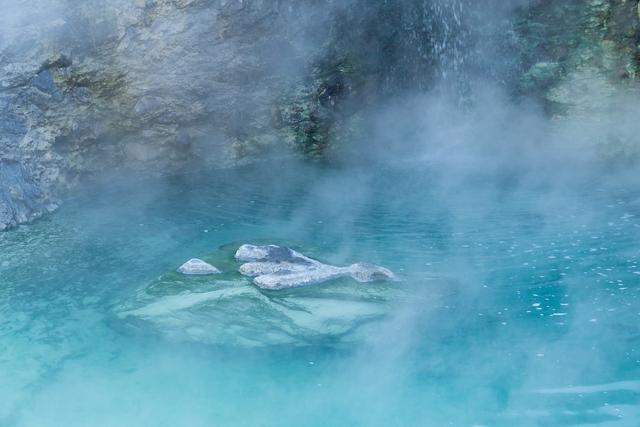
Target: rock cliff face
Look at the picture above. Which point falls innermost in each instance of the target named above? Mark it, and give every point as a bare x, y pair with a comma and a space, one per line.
150, 85
580, 49
161, 85
582, 58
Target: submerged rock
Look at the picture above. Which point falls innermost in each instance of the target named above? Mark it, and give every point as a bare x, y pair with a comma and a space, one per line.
275, 267
229, 310
237, 314
197, 266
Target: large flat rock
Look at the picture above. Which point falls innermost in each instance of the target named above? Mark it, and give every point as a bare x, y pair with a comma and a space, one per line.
229, 309
275, 267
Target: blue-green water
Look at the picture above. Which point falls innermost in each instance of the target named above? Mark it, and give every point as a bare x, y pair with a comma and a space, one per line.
522, 309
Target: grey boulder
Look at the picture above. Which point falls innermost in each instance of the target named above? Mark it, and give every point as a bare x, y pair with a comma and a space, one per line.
276, 267
271, 253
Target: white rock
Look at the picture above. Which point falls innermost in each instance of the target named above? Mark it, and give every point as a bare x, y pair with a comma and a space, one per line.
294, 279
275, 267
196, 266
250, 253
254, 269
271, 253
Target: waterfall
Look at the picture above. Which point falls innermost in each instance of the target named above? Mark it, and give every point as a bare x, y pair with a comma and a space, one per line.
409, 44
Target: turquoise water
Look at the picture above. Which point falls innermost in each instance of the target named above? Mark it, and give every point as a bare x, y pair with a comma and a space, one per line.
520, 303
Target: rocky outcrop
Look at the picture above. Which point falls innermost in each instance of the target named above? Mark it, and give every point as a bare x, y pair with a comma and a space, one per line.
374, 52
594, 42
163, 85
227, 309
149, 85
276, 267
20, 199
582, 58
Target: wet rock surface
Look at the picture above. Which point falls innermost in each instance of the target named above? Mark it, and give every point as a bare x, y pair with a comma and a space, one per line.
197, 266
276, 267
20, 199
228, 309
145, 86
163, 86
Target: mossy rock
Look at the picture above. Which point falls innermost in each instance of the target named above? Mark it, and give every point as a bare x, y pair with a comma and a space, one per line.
227, 309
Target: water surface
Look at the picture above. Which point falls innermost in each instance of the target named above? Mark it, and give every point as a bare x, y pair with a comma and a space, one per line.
522, 310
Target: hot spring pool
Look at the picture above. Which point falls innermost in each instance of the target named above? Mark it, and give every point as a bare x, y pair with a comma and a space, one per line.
519, 304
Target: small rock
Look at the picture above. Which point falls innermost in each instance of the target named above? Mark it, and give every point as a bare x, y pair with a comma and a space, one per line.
196, 266
363, 272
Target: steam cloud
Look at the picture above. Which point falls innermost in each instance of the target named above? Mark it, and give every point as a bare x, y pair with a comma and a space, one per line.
471, 155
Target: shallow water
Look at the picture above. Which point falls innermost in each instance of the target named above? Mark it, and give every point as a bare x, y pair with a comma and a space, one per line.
520, 303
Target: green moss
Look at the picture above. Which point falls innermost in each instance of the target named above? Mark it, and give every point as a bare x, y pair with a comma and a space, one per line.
310, 113
577, 34
102, 83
